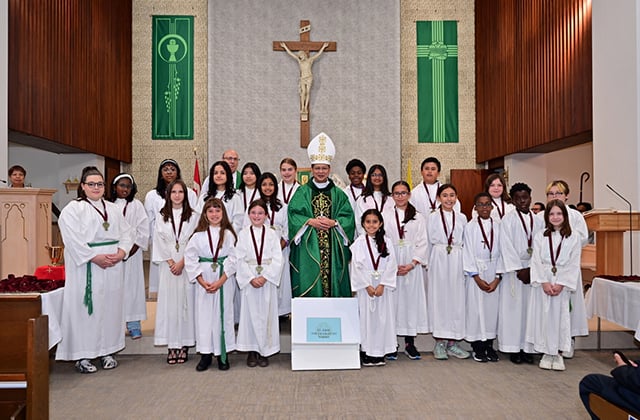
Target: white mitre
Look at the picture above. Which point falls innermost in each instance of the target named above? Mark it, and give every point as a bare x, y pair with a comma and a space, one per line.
321, 150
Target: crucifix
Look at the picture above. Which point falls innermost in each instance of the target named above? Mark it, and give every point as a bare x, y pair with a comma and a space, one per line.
304, 47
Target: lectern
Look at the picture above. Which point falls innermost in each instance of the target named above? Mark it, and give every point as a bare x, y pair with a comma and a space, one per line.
25, 229
610, 226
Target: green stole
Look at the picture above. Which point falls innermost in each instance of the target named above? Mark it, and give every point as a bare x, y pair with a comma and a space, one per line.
223, 346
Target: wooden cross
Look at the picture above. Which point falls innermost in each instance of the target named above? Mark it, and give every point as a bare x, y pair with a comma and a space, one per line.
307, 46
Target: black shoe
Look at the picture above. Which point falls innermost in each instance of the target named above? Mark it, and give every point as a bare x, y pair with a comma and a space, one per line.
492, 355
252, 359
223, 365
392, 356
204, 363
480, 356
516, 358
411, 352
368, 360
526, 357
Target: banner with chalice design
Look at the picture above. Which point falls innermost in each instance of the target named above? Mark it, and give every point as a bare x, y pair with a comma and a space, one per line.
172, 80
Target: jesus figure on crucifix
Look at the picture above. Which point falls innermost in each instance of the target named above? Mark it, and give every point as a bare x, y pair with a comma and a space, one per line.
306, 76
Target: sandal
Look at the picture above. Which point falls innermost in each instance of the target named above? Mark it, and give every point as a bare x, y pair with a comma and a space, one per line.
183, 355
172, 356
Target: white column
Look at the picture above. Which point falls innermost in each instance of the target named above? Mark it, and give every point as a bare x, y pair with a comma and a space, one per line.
4, 83
616, 104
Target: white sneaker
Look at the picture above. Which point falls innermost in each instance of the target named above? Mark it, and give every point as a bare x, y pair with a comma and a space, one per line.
558, 363
440, 350
569, 354
109, 362
546, 362
456, 351
85, 366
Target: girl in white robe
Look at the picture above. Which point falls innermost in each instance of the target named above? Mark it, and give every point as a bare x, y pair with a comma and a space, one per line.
248, 191
175, 309
257, 264
376, 195
96, 238
518, 228
446, 291
123, 192
483, 267
289, 184
406, 228
559, 190
495, 186
278, 221
373, 277
555, 271
154, 201
206, 253
221, 186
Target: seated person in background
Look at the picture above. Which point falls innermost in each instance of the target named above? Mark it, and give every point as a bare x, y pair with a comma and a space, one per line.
584, 206
537, 207
622, 388
16, 176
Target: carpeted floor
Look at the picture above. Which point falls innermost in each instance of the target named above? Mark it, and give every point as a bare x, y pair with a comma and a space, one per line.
145, 387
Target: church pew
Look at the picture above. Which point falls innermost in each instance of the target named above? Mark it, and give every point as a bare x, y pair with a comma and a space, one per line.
608, 411
24, 358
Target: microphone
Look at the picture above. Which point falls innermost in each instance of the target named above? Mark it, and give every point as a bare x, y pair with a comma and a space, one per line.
630, 226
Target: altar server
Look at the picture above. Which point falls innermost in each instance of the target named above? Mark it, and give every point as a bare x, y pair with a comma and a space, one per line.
97, 238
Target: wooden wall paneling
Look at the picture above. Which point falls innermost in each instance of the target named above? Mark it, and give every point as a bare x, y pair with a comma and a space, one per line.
542, 53
70, 73
468, 182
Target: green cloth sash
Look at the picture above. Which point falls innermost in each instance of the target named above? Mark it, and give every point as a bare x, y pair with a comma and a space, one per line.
88, 294
223, 346
437, 69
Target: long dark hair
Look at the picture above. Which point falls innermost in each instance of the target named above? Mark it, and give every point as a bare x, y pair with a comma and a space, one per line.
565, 228
272, 201
229, 191
132, 192
86, 172
381, 245
167, 210
225, 224
256, 171
368, 188
410, 212
161, 184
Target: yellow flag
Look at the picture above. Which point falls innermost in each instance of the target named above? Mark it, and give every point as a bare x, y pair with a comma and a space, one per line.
409, 178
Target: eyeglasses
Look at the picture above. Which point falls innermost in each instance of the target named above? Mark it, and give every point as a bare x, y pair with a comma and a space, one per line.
377, 175
125, 186
400, 193
555, 194
483, 204
94, 184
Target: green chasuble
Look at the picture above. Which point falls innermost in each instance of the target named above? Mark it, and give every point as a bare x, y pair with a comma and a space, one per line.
320, 262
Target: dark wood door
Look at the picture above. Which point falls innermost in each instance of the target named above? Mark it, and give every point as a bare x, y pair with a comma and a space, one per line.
468, 182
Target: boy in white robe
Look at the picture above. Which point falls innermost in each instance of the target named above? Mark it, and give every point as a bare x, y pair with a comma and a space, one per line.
482, 264
518, 228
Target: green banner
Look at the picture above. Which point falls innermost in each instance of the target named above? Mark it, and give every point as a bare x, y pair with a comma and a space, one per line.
437, 52
172, 81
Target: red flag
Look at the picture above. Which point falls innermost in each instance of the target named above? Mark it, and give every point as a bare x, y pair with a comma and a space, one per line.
196, 178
